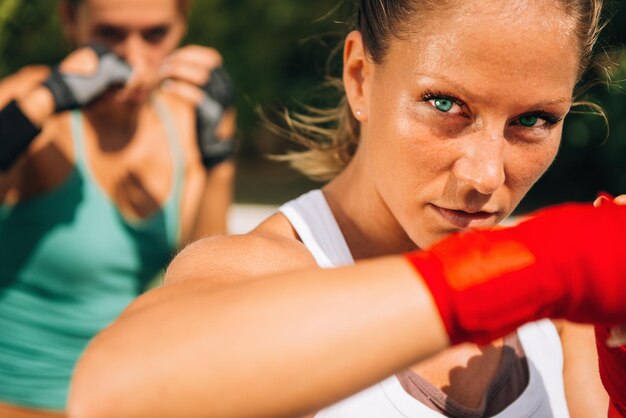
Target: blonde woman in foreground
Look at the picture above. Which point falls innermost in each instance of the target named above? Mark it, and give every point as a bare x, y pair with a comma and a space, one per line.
453, 110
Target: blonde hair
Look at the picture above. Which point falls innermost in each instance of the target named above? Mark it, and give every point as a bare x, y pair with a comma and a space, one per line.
331, 136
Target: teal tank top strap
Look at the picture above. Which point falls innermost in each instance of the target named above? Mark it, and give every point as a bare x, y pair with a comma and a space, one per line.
78, 141
173, 204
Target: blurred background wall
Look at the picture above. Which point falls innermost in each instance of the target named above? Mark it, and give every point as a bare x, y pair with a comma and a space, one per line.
276, 51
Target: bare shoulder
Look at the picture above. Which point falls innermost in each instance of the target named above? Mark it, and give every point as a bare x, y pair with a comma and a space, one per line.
224, 260
21, 82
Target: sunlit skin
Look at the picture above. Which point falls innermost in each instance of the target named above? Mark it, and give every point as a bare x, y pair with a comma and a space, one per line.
143, 32
458, 122
460, 119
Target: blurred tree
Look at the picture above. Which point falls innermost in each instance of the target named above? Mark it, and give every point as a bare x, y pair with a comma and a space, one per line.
277, 53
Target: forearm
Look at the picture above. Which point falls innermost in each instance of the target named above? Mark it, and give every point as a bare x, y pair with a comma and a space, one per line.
37, 105
583, 390
306, 339
612, 362
215, 202
299, 341
20, 124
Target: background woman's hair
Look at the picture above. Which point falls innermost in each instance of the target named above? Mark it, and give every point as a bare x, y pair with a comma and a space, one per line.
331, 136
183, 5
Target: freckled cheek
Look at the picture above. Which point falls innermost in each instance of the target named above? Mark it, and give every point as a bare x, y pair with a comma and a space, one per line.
413, 165
399, 148
400, 127
527, 166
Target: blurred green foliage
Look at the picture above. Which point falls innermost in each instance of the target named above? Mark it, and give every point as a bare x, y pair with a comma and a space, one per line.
276, 51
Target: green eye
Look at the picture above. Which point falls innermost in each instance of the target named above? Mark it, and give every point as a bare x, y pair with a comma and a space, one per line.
528, 121
444, 105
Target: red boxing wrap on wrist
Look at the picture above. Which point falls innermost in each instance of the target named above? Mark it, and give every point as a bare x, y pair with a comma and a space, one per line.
565, 262
612, 362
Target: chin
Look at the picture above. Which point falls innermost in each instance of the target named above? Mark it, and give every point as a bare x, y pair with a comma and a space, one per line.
433, 239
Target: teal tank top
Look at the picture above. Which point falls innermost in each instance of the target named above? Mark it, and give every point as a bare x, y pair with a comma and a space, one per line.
69, 264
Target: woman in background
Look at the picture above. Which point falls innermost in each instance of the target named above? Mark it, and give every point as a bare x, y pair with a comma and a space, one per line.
110, 162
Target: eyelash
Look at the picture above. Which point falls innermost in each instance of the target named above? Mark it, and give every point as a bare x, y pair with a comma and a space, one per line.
550, 118
434, 95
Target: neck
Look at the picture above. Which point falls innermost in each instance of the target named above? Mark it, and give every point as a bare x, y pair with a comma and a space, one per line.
368, 226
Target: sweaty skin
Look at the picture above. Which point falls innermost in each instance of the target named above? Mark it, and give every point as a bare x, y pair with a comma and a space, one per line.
299, 338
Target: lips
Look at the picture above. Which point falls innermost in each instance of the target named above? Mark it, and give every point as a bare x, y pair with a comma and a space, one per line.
465, 219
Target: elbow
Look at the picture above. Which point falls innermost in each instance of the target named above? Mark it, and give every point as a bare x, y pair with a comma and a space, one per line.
191, 262
175, 272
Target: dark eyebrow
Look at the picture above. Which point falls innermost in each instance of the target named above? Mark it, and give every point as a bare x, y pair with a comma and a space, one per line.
107, 27
163, 26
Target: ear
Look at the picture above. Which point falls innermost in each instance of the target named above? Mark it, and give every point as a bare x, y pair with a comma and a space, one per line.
68, 19
356, 75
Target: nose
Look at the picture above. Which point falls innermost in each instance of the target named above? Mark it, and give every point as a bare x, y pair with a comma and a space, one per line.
134, 50
481, 164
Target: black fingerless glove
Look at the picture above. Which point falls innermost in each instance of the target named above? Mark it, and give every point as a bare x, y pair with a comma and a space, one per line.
71, 91
16, 134
219, 95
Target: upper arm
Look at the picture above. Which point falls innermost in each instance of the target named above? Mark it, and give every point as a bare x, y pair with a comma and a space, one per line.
583, 389
218, 186
227, 260
217, 262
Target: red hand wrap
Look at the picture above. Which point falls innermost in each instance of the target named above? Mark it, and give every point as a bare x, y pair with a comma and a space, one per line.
613, 373
566, 262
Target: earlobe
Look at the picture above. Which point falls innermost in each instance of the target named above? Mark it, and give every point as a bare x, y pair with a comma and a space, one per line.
356, 69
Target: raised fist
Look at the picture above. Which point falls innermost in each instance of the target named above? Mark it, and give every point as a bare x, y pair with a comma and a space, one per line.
219, 96
85, 75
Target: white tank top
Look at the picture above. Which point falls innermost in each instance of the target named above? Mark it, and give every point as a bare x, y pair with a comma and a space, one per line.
544, 396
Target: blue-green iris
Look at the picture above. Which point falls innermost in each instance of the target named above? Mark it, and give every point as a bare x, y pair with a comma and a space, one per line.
528, 121
443, 105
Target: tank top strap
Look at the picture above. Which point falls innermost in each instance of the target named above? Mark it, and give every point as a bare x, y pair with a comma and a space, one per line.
78, 141
313, 220
173, 140
172, 206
